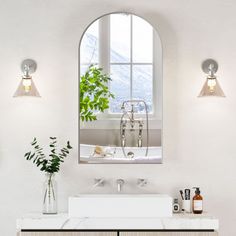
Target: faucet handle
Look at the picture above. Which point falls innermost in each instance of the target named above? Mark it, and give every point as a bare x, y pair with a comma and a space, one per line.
99, 182
142, 182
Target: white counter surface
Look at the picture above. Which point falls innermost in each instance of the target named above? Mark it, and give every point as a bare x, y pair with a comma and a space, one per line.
36, 221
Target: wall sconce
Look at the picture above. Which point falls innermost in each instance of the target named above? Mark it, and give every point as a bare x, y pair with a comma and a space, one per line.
27, 86
211, 87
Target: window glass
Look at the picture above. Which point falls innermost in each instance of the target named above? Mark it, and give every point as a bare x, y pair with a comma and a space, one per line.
125, 34
120, 38
89, 49
142, 84
120, 86
142, 41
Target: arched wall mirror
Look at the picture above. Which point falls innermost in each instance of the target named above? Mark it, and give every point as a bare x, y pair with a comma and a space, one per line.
120, 67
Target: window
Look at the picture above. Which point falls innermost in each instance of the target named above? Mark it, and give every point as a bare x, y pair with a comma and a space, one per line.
89, 49
122, 44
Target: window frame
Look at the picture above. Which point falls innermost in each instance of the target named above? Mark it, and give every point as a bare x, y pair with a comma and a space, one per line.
104, 62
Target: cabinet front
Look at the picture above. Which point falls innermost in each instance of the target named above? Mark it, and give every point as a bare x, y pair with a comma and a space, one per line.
117, 233
67, 234
168, 234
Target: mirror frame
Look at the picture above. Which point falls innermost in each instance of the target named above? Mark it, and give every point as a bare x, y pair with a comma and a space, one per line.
161, 57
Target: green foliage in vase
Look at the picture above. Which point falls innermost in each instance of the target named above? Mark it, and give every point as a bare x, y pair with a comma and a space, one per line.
94, 93
51, 164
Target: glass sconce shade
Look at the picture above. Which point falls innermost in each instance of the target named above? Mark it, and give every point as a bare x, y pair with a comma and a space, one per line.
211, 87
27, 86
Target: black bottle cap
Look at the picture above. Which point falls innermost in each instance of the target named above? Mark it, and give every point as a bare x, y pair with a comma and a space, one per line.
187, 194
197, 191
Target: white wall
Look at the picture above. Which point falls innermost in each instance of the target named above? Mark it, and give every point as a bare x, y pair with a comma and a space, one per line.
199, 134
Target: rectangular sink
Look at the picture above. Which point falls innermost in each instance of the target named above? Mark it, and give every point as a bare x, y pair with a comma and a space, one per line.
120, 205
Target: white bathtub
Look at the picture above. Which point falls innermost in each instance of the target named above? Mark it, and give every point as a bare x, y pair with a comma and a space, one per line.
154, 155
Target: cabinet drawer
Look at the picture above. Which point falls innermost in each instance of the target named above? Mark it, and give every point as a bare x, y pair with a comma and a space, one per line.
67, 234
168, 234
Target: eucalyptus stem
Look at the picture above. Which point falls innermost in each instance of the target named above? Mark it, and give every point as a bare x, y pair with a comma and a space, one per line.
52, 164
45, 194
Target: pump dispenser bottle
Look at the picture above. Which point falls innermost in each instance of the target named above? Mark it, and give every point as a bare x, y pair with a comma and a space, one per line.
197, 202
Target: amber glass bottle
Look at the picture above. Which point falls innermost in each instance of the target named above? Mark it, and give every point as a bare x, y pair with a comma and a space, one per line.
197, 202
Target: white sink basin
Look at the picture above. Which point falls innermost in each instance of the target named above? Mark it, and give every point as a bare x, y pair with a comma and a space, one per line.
120, 205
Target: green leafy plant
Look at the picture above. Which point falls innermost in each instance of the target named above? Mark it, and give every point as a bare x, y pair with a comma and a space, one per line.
51, 164
94, 93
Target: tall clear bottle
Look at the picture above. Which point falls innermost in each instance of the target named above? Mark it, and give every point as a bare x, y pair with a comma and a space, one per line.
50, 194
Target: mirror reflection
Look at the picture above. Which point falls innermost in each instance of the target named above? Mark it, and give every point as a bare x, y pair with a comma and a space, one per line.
120, 91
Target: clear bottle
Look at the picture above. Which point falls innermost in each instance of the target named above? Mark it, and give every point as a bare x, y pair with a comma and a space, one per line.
197, 202
50, 194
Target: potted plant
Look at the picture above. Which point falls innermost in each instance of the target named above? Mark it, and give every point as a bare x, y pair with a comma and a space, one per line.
94, 93
50, 165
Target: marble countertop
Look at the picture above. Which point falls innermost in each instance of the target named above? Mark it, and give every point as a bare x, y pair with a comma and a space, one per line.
37, 221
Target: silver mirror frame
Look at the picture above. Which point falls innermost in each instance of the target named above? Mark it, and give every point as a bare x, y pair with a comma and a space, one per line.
161, 45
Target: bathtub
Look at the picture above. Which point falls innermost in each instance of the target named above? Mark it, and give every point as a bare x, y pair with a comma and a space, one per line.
154, 155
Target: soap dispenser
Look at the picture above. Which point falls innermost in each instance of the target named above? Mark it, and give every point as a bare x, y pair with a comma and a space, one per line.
197, 202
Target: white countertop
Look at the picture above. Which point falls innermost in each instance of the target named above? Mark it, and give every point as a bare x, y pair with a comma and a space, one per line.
36, 221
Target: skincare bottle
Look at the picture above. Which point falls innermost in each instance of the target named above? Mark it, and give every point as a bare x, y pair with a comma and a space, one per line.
176, 207
186, 203
197, 202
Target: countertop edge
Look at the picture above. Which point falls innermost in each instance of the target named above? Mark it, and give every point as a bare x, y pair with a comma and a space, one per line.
62, 222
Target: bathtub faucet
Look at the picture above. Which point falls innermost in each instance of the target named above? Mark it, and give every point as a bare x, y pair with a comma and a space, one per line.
133, 120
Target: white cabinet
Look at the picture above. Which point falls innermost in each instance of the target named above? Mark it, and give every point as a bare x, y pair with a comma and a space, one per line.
168, 234
117, 233
67, 234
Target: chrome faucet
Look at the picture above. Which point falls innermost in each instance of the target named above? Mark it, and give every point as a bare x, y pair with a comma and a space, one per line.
129, 119
120, 183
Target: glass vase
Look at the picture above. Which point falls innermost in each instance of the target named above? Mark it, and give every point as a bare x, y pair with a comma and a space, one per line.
50, 194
